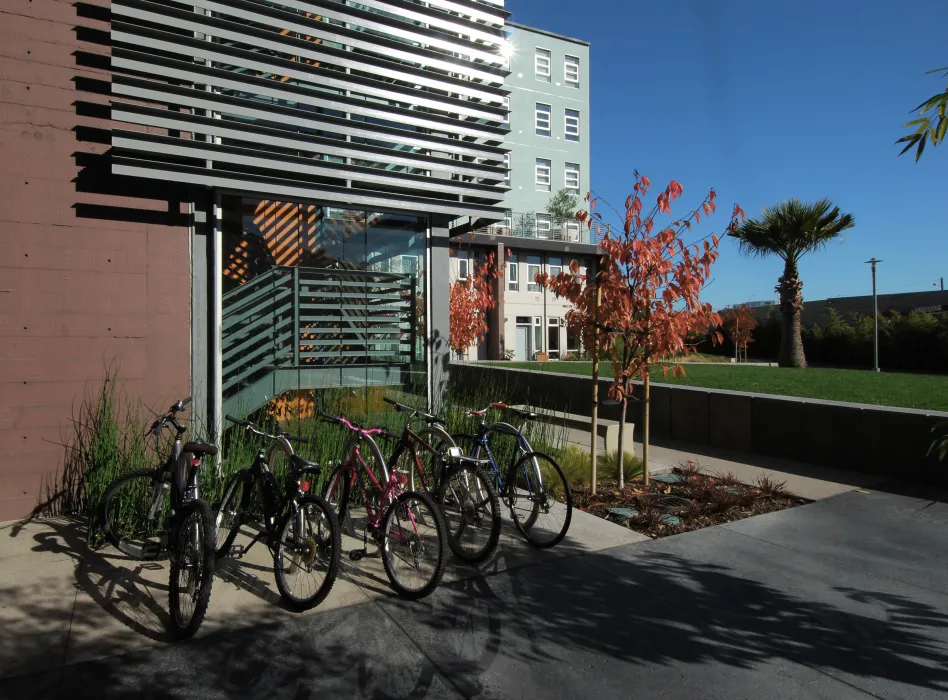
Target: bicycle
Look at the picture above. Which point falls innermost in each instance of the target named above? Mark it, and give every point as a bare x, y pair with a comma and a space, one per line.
299, 528
463, 490
535, 489
177, 523
407, 526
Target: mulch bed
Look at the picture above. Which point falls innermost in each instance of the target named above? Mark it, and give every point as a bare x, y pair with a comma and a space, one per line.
683, 500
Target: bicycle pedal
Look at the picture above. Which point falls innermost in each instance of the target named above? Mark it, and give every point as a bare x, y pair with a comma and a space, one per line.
237, 551
356, 554
151, 550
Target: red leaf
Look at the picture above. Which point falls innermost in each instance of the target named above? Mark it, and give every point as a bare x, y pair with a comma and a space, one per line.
707, 210
698, 217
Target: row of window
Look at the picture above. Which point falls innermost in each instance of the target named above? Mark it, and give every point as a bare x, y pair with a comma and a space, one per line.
543, 68
544, 122
544, 176
534, 263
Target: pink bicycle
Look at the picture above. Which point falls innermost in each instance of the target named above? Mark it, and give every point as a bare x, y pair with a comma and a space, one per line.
407, 526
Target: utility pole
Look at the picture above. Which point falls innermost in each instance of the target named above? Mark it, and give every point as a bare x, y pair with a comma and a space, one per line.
875, 314
942, 281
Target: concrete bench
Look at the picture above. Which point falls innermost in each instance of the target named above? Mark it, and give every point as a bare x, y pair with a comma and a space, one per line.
606, 429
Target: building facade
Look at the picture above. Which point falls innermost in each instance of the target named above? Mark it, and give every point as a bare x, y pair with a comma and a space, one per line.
234, 199
549, 150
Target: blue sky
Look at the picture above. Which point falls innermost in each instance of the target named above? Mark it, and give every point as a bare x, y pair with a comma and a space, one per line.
766, 100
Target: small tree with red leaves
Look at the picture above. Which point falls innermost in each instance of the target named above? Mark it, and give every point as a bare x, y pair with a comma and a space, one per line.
647, 292
470, 300
739, 324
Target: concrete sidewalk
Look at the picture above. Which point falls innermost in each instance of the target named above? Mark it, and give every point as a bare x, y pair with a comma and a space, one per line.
62, 604
846, 598
805, 480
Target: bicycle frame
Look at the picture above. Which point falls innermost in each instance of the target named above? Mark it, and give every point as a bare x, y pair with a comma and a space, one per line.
408, 441
523, 448
354, 463
261, 475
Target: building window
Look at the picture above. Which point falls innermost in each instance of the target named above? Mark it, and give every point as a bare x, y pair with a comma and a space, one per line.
571, 72
464, 265
572, 125
556, 267
542, 63
506, 110
543, 175
553, 338
507, 173
533, 269
572, 231
572, 178
513, 274
544, 225
544, 120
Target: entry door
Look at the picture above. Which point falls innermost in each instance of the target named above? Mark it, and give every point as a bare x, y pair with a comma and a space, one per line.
523, 344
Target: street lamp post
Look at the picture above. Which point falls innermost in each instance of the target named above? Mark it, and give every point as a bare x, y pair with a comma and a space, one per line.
875, 315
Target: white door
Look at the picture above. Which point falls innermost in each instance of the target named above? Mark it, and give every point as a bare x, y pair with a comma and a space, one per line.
523, 344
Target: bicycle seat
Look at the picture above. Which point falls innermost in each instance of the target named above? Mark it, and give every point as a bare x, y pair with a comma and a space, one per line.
301, 464
200, 448
528, 415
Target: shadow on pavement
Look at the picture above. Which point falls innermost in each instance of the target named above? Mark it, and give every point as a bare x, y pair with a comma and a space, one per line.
587, 622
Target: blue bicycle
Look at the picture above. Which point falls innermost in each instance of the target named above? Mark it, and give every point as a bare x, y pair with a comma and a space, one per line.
534, 488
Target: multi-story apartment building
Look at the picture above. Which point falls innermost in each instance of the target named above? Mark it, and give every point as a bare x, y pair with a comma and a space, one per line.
549, 148
235, 199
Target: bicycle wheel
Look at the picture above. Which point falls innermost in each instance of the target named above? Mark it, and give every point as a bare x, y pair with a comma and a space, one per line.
134, 512
471, 510
192, 567
541, 500
337, 497
414, 551
306, 559
230, 515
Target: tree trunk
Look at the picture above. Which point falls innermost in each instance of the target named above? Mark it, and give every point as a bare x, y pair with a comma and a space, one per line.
594, 422
790, 289
645, 410
620, 458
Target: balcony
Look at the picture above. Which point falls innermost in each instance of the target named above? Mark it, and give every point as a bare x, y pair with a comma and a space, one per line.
541, 227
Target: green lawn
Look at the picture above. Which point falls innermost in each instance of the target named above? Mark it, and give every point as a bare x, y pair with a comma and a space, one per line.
926, 391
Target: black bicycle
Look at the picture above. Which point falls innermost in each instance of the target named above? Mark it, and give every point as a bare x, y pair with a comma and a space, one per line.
299, 528
462, 488
150, 513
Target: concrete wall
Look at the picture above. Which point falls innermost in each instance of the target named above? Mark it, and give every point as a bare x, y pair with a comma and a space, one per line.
857, 437
94, 268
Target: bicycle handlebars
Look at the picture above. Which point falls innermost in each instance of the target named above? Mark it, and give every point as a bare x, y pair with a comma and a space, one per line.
247, 425
402, 408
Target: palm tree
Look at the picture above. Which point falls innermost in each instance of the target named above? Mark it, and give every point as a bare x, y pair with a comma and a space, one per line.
790, 230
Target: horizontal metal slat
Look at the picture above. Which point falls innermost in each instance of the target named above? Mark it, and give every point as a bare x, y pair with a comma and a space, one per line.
368, 20
389, 48
163, 93
440, 19
188, 148
273, 187
168, 41
220, 27
180, 121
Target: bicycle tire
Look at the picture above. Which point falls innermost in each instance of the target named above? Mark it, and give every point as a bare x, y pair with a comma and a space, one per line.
470, 513
440, 550
191, 513
332, 539
550, 495
240, 486
113, 516
337, 497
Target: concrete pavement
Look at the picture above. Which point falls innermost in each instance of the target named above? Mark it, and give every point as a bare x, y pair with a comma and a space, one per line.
843, 598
